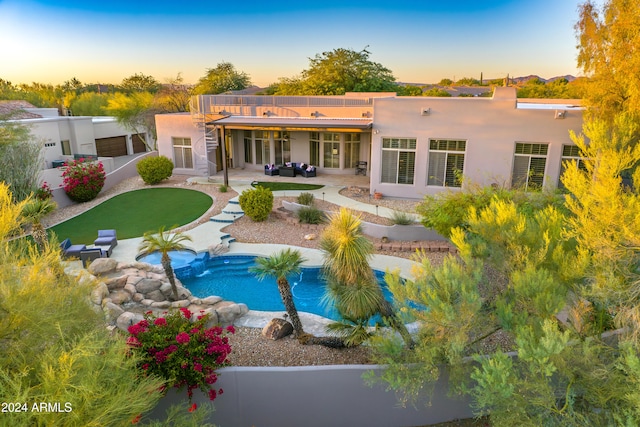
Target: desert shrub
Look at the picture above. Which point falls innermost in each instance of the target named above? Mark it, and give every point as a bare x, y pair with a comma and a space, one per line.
223, 188
305, 199
401, 218
153, 170
310, 215
82, 180
257, 203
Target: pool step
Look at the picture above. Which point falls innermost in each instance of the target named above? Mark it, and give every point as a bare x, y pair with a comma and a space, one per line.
226, 240
230, 213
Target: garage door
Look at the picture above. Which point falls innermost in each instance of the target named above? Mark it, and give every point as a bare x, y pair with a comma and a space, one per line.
112, 147
138, 143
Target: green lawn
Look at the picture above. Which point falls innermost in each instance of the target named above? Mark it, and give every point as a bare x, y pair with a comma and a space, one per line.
286, 186
133, 213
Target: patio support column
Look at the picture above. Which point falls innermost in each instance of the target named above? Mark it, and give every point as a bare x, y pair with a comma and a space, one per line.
223, 144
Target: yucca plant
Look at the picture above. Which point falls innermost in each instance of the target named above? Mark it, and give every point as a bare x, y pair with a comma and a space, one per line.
32, 212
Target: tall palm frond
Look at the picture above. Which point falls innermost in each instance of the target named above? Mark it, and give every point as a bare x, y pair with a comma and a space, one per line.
164, 242
280, 265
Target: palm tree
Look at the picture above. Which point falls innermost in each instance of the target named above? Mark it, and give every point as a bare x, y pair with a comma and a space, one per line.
281, 265
351, 283
33, 211
164, 242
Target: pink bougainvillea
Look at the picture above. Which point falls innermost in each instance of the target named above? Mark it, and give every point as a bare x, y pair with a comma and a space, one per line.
82, 181
183, 352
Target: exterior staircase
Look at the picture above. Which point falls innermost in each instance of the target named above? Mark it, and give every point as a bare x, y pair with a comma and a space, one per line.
229, 214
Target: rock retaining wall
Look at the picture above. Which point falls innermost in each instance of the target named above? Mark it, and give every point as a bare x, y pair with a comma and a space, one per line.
125, 291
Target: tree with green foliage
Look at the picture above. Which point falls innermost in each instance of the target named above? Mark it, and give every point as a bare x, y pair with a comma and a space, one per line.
557, 288
139, 83
164, 242
90, 104
21, 157
223, 78
409, 90
445, 82
434, 91
280, 265
337, 72
174, 96
135, 112
608, 42
55, 347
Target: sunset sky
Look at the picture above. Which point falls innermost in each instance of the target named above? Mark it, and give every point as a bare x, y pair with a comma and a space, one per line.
50, 41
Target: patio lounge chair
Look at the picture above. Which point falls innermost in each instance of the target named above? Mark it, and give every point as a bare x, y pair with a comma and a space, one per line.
88, 255
271, 170
69, 250
106, 238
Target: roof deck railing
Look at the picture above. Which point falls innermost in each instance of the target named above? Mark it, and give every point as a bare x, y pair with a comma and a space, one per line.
205, 104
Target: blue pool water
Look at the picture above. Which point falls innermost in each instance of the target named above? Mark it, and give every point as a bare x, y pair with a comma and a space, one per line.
229, 278
179, 259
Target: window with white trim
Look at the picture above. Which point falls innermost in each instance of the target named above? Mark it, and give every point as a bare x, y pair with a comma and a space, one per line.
263, 155
398, 160
529, 162
314, 148
182, 153
570, 153
351, 149
331, 143
248, 147
446, 162
282, 147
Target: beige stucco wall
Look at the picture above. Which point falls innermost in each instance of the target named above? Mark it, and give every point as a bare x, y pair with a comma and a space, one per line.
491, 128
180, 125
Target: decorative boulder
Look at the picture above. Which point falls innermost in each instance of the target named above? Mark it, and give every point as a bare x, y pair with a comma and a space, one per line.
102, 266
277, 329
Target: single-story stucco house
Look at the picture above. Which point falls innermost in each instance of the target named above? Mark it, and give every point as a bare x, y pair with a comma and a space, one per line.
412, 146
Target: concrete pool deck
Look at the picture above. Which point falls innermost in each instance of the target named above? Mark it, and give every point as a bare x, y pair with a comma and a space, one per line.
210, 233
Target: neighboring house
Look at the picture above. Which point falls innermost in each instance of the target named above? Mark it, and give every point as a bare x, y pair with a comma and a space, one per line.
66, 136
69, 137
412, 146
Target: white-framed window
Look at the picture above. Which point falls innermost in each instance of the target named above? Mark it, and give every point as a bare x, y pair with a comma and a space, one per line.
263, 155
570, 153
529, 163
282, 147
398, 160
331, 145
248, 147
351, 149
446, 162
182, 153
314, 148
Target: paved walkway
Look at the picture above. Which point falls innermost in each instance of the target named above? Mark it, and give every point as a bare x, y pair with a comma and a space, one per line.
210, 233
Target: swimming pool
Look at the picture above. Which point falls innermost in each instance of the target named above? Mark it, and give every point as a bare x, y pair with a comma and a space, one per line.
179, 259
229, 278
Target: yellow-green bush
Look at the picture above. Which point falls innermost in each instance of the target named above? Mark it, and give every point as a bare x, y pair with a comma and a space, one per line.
256, 203
55, 348
153, 170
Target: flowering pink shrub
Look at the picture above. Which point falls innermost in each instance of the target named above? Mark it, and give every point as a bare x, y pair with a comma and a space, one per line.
44, 192
183, 352
82, 181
